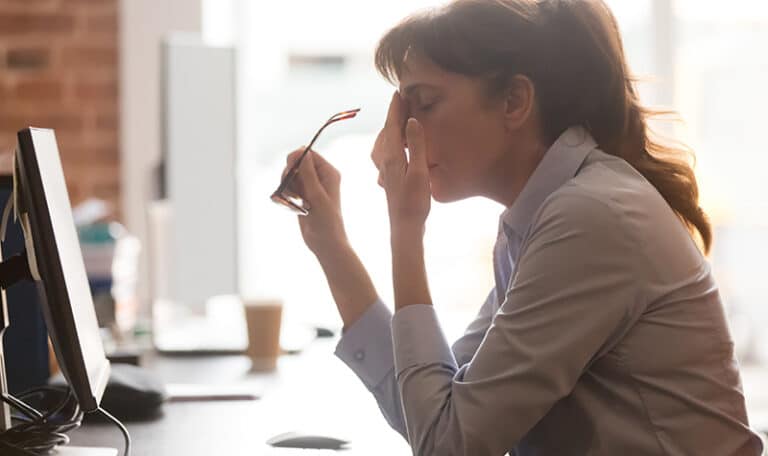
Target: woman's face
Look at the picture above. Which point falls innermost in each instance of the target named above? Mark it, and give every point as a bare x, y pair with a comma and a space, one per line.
465, 131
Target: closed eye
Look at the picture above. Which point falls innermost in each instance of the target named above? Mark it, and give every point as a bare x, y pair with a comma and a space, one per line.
426, 107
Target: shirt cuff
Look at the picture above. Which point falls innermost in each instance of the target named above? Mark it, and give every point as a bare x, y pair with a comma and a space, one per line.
417, 338
366, 345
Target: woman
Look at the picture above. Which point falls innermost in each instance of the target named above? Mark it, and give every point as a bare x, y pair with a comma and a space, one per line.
605, 331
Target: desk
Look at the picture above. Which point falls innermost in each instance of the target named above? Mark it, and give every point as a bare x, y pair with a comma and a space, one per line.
311, 392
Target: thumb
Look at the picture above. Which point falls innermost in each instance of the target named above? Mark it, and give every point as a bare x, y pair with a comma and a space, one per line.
307, 173
417, 147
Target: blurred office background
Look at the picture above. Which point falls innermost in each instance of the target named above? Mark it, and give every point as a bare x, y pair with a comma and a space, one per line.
301, 61
97, 71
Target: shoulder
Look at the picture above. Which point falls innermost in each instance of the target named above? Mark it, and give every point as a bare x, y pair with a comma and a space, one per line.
600, 207
607, 193
575, 208
581, 233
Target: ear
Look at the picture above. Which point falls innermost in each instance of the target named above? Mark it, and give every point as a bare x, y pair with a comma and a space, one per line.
519, 102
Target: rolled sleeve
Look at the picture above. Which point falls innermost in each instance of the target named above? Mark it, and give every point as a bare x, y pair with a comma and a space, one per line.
417, 338
366, 346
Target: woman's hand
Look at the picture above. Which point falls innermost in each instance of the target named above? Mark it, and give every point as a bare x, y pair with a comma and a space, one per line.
317, 183
406, 182
405, 179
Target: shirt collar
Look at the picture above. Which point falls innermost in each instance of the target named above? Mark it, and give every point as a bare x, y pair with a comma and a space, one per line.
559, 164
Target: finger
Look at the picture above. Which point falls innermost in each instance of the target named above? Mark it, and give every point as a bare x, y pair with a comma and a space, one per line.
291, 194
324, 168
320, 161
389, 151
328, 175
290, 160
377, 155
307, 174
294, 155
394, 127
395, 114
305, 181
417, 147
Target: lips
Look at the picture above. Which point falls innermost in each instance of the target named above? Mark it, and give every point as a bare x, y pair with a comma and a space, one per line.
431, 166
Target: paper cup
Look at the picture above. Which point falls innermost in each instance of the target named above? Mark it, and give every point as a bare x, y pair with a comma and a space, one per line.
263, 317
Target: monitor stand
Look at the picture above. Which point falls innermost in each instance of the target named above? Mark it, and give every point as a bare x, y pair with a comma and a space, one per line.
13, 270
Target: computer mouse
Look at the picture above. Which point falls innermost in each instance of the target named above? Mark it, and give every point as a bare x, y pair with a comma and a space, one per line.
324, 332
132, 393
298, 440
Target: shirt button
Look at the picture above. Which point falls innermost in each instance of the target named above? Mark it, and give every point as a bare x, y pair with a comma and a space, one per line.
359, 355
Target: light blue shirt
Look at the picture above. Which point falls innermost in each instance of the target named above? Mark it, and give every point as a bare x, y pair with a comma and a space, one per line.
604, 333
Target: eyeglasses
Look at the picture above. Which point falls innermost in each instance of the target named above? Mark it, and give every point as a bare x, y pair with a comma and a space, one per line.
297, 204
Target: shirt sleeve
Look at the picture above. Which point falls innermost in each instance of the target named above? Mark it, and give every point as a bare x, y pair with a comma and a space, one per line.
573, 296
465, 347
366, 348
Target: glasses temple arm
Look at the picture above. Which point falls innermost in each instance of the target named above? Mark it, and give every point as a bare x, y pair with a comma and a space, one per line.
294, 169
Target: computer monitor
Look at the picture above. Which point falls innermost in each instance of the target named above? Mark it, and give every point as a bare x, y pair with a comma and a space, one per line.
53, 260
56, 264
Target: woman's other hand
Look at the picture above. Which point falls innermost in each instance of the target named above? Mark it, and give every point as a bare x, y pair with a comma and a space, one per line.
318, 184
405, 179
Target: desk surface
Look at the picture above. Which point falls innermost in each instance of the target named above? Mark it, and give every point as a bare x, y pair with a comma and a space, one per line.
311, 392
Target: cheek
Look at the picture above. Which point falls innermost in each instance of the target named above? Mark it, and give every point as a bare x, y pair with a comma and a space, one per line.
445, 138
464, 156
455, 175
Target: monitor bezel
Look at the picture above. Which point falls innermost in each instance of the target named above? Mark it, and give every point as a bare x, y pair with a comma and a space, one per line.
60, 318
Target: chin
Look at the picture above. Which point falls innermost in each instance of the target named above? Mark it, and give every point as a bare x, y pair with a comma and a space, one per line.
443, 194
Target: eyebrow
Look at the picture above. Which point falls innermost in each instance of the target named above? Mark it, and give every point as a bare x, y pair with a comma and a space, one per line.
409, 90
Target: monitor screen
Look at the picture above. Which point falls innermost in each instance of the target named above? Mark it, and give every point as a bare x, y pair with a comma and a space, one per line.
56, 263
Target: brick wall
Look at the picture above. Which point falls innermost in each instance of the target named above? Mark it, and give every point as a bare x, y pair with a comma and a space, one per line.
58, 69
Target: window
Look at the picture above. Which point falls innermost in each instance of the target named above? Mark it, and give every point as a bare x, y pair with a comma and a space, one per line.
708, 60
721, 66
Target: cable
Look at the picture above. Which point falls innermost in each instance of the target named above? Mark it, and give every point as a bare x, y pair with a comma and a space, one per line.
28, 411
122, 428
39, 433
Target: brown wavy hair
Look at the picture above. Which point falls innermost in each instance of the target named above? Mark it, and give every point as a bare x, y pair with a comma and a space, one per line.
573, 53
